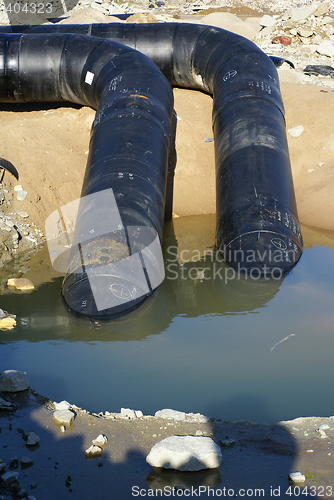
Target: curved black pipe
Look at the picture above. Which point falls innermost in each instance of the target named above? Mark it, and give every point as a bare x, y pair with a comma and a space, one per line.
124, 184
257, 224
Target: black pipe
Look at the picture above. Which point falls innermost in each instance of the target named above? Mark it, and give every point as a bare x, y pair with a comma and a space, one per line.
257, 224
121, 209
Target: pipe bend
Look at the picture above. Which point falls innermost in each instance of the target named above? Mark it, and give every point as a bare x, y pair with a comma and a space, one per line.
257, 221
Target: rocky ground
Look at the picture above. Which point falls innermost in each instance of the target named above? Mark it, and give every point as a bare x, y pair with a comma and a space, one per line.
48, 456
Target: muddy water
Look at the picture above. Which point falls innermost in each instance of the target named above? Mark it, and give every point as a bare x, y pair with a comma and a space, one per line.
204, 342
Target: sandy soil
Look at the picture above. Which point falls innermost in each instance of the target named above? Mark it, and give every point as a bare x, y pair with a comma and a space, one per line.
49, 149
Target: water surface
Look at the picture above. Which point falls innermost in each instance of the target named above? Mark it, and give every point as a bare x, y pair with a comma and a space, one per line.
232, 349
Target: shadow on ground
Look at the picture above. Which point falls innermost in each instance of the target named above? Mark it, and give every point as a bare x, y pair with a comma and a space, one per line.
256, 458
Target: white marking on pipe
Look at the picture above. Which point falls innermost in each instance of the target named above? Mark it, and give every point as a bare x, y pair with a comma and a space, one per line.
89, 78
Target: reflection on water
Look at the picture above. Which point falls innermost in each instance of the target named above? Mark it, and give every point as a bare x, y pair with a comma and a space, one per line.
233, 349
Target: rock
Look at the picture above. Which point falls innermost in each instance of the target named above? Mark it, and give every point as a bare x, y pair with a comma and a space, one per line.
321, 10
22, 284
227, 442
326, 48
126, 412
2, 465
185, 453
324, 427
26, 462
100, 441
22, 214
18, 188
13, 381
297, 477
9, 477
304, 32
267, 21
21, 195
172, 414
296, 131
300, 13
139, 413
322, 433
7, 323
63, 417
33, 439
93, 451
63, 405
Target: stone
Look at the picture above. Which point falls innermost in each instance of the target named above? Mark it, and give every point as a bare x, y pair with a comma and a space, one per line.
321, 10
9, 477
33, 439
5, 405
297, 477
300, 13
21, 195
172, 414
267, 21
22, 284
13, 381
126, 412
18, 188
322, 433
324, 427
304, 32
26, 462
100, 441
326, 48
93, 451
139, 413
296, 131
7, 323
185, 453
227, 442
63, 405
63, 417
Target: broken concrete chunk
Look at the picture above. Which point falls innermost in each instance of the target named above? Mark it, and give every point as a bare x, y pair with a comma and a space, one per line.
185, 453
326, 48
63, 405
100, 441
300, 13
321, 10
126, 412
267, 21
172, 414
21, 284
297, 477
33, 439
26, 462
13, 381
63, 417
296, 131
93, 451
7, 323
9, 477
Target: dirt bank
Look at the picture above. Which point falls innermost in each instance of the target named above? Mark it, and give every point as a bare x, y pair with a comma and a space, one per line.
255, 456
